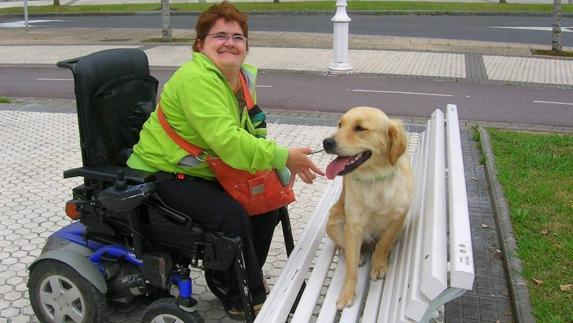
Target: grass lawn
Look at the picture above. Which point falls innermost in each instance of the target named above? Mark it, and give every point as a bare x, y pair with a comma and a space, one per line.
536, 172
378, 6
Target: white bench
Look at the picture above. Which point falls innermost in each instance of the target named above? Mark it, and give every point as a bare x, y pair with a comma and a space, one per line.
423, 273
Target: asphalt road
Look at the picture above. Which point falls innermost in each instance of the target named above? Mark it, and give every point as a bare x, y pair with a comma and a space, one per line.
397, 96
481, 28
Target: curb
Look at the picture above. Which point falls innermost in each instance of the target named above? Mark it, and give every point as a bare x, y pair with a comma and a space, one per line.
521, 303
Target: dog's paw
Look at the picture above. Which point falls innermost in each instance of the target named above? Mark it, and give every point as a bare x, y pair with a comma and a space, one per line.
345, 300
379, 270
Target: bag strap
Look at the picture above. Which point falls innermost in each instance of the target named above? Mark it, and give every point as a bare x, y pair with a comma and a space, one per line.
246, 92
187, 146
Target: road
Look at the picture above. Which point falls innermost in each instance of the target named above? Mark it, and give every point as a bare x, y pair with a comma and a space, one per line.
482, 28
397, 96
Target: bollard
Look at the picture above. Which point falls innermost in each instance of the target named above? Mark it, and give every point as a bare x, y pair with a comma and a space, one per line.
341, 20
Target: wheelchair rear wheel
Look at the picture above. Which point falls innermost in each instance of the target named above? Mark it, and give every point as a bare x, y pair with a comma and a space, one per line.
59, 294
167, 310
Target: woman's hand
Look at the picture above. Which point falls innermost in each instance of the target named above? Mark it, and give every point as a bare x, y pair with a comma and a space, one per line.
299, 164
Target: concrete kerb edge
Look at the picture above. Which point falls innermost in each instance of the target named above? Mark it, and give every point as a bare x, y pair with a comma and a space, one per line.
518, 286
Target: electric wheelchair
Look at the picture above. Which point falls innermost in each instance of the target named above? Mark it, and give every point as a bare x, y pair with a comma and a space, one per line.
126, 244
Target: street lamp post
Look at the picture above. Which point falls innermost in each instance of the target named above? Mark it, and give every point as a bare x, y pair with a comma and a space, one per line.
26, 14
341, 20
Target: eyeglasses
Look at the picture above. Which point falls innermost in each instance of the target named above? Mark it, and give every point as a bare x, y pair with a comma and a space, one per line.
223, 37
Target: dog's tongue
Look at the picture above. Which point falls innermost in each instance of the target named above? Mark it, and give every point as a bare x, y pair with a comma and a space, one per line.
336, 166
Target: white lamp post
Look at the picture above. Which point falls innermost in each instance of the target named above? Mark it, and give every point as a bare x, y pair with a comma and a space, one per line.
340, 64
26, 14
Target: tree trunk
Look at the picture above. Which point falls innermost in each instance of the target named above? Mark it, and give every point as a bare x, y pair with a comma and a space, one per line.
166, 34
56, 3
556, 42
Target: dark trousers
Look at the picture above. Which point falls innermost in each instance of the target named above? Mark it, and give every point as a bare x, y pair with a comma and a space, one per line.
213, 210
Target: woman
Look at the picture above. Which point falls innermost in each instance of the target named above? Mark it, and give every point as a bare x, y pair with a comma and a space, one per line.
204, 104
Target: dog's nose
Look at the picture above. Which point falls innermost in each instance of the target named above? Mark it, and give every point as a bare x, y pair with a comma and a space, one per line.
329, 144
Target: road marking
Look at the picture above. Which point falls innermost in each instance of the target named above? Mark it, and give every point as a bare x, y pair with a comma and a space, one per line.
48, 79
22, 23
402, 92
264, 85
553, 102
563, 29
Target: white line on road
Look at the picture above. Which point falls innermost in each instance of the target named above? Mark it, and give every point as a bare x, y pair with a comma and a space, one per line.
264, 85
563, 29
553, 102
48, 79
402, 92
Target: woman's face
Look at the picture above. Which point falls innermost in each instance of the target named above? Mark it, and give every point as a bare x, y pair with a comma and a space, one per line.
225, 45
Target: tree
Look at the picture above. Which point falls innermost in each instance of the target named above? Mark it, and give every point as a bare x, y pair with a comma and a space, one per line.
56, 3
166, 34
556, 42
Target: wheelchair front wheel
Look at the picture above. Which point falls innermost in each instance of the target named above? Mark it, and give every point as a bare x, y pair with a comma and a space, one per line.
59, 294
167, 310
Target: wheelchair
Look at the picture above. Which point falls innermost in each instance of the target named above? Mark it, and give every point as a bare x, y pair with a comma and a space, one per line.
125, 245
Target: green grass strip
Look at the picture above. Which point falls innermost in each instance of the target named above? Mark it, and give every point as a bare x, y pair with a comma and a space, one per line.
376, 6
536, 172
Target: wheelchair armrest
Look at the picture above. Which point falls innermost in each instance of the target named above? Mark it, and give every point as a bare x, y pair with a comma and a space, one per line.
109, 174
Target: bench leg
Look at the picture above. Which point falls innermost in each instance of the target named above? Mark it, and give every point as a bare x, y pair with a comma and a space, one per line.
289, 244
287, 231
241, 272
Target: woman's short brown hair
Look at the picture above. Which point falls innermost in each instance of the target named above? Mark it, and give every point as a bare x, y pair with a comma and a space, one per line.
208, 18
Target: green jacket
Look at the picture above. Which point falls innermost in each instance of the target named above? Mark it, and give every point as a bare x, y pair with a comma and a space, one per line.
201, 107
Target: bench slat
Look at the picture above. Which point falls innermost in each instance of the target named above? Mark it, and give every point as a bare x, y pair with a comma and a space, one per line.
461, 255
416, 302
277, 306
388, 297
352, 313
328, 308
370, 312
434, 271
311, 293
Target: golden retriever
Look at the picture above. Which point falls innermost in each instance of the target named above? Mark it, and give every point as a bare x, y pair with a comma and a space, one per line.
376, 193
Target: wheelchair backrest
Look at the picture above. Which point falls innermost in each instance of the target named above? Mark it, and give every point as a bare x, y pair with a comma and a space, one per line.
114, 96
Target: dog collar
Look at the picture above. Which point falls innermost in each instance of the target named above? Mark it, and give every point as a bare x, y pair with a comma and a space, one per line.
375, 179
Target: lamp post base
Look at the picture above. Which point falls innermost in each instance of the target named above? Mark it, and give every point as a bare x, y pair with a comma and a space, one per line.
340, 68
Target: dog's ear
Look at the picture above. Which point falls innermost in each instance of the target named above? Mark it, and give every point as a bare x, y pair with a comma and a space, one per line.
397, 141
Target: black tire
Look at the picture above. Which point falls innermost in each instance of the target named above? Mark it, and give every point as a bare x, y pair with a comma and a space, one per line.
59, 294
217, 283
166, 310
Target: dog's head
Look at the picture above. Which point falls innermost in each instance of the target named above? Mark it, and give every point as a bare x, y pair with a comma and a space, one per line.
366, 139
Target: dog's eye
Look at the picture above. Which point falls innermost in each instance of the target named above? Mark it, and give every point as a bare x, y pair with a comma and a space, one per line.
339, 125
359, 128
